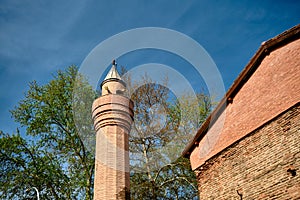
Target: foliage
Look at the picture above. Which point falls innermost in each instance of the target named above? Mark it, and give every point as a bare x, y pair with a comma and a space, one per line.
161, 128
55, 160
56, 155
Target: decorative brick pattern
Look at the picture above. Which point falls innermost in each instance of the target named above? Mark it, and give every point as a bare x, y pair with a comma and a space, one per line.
263, 165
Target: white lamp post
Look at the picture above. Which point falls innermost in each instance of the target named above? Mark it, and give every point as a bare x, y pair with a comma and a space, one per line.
37, 193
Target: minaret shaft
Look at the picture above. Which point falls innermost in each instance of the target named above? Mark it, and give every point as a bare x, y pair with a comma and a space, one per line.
112, 168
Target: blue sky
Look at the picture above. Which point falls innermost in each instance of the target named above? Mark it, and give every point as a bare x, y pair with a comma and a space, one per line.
39, 37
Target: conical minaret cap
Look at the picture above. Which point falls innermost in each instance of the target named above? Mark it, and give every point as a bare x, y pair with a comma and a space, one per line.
113, 72
113, 84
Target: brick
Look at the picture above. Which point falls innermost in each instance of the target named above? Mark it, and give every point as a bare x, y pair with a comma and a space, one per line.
252, 151
112, 114
273, 88
257, 165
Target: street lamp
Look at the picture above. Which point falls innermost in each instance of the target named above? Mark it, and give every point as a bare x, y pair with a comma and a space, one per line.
37, 192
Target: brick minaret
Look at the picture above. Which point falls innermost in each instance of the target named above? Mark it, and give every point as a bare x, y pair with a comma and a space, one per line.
112, 115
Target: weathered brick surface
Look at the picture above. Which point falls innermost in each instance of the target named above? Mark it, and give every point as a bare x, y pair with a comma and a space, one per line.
263, 165
112, 163
274, 87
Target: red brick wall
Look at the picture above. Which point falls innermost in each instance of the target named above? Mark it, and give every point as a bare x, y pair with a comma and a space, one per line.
263, 165
273, 88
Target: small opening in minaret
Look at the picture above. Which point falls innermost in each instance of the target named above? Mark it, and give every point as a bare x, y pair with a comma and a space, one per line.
292, 172
120, 92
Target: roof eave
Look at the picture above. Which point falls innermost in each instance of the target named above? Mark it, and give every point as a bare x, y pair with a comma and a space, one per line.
265, 49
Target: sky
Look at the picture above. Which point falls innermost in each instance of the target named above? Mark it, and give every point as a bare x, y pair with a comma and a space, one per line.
37, 38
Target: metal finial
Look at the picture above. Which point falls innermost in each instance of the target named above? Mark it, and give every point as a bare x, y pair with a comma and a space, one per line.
114, 62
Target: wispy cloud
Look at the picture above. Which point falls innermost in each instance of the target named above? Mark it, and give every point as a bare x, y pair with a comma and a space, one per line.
39, 37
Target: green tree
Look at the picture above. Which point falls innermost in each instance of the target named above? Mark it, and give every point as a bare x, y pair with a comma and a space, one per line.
55, 151
53, 157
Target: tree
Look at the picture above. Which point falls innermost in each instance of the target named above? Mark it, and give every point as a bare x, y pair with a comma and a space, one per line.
53, 157
54, 149
161, 128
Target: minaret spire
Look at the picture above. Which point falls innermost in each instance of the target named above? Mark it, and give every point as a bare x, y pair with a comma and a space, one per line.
113, 72
113, 83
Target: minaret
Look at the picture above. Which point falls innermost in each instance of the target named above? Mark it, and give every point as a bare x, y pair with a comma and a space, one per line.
112, 114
